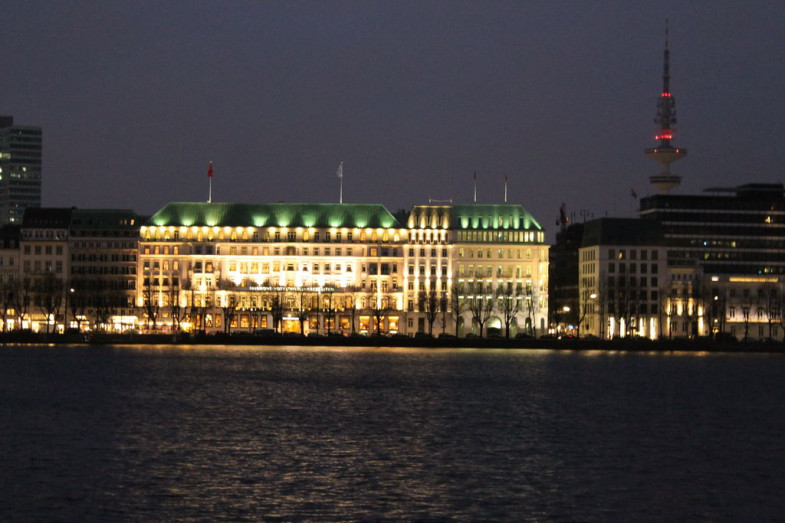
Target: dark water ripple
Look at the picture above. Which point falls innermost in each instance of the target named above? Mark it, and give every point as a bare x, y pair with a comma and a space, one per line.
195, 433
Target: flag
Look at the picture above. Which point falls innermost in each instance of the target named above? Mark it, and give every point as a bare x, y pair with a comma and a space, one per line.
633, 193
505, 178
475, 176
340, 170
210, 171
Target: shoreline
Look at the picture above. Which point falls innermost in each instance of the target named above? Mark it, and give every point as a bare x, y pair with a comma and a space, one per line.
630, 345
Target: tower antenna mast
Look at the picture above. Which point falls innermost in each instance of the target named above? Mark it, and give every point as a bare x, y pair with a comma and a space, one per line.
665, 153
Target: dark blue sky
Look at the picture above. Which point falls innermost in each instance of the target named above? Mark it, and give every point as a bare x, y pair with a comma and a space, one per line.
136, 97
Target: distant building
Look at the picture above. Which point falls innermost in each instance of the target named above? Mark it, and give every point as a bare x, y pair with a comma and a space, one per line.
564, 271
493, 264
622, 273
732, 243
20, 169
103, 246
70, 267
318, 268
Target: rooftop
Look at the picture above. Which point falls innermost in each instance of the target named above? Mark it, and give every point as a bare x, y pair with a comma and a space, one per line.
322, 215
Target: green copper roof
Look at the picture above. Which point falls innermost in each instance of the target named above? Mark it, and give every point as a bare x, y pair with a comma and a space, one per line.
274, 215
474, 217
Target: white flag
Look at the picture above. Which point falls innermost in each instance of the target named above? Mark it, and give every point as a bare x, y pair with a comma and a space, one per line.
340, 170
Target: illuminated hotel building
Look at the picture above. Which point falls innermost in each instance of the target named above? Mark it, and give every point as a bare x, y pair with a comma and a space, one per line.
348, 268
491, 258
20, 169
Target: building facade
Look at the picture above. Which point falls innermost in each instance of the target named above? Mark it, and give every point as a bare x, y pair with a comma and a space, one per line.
622, 273
730, 244
342, 268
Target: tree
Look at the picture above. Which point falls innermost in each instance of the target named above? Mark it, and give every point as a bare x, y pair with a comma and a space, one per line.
22, 298
77, 300
151, 304
7, 297
749, 300
457, 304
277, 309
481, 306
780, 310
770, 301
329, 307
444, 308
49, 297
428, 303
351, 306
228, 304
303, 307
178, 312
532, 307
715, 311
588, 304
694, 303
509, 305
380, 306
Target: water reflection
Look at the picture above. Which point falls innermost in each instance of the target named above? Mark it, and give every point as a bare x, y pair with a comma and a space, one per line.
362, 433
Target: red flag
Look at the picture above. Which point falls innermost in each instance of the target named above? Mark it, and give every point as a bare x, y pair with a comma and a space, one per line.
505, 178
475, 175
210, 171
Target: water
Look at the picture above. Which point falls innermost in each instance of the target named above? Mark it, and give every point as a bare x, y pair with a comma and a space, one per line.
249, 433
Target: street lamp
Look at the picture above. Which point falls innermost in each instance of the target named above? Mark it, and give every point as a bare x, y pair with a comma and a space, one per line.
65, 314
592, 296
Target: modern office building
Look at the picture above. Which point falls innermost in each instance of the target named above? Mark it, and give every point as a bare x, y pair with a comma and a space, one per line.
731, 243
20, 169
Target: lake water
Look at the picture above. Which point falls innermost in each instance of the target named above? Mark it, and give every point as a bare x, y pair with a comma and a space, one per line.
250, 433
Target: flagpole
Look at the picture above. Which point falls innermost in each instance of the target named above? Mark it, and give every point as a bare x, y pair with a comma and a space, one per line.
210, 183
505, 188
340, 178
475, 186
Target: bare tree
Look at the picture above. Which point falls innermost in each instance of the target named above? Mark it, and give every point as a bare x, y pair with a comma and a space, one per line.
481, 306
277, 308
749, 300
329, 307
509, 304
178, 311
444, 309
457, 303
531, 297
22, 299
770, 302
79, 294
151, 304
380, 306
7, 297
228, 305
49, 297
351, 306
303, 307
428, 303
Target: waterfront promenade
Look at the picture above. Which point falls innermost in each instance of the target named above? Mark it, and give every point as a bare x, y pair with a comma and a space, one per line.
238, 339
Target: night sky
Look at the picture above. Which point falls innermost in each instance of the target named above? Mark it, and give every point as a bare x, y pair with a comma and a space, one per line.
135, 98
